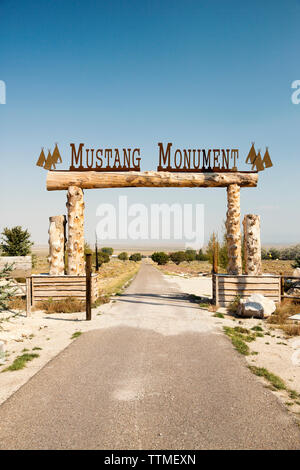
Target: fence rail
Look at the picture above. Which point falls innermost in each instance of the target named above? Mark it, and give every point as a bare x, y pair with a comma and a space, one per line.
282, 294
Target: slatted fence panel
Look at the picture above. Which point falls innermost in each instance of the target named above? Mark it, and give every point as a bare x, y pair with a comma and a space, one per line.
60, 287
228, 287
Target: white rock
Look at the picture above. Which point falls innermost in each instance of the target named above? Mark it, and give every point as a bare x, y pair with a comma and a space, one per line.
249, 309
257, 305
268, 305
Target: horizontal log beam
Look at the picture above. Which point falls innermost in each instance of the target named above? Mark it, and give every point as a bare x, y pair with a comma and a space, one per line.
62, 180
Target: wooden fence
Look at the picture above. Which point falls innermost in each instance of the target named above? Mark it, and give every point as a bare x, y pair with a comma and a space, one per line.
227, 287
43, 287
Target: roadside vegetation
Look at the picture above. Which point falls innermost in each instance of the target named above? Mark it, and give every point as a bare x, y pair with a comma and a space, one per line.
241, 336
21, 361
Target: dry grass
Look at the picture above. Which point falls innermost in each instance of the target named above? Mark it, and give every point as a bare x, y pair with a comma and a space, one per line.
68, 305
291, 330
17, 303
280, 317
277, 267
196, 267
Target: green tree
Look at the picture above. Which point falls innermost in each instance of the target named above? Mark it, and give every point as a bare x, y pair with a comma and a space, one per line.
160, 257
223, 253
108, 250
15, 241
135, 257
210, 247
6, 289
123, 256
177, 257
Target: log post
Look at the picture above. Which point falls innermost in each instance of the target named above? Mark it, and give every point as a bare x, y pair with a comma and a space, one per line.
28, 296
252, 246
233, 230
57, 245
75, 245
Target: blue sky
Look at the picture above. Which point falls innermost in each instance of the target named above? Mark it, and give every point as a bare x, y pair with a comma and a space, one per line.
200, 74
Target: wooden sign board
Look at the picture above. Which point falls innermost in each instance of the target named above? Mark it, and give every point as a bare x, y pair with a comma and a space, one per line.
187, 160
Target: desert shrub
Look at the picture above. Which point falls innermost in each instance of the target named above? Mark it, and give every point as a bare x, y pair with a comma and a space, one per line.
233, 306
177, 257
123, 256
274, 253
108, 250
296, 264
15, 241
190, 255
135, 257
264, 254
291, 252
200, 256
103, 258
160, 257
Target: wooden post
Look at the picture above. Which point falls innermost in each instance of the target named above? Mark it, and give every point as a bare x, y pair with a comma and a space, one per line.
88, 270
28, 296
65, 246
233, 230
215, 255
281, 286
252, 246
75, 245
56, 245
96, 253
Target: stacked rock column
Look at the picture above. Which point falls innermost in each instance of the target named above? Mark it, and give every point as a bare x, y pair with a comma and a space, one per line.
57, 245
233, 230
75, 245
252, 245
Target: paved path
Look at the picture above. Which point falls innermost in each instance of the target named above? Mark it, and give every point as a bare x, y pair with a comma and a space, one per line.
162, 377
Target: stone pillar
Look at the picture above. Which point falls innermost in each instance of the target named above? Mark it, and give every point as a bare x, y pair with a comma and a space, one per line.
75, 205
233, 230
57, 245
252, 247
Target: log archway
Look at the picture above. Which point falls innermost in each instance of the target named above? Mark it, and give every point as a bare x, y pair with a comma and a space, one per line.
75, 181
